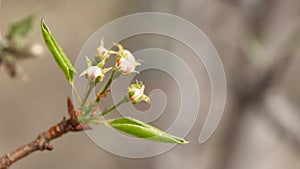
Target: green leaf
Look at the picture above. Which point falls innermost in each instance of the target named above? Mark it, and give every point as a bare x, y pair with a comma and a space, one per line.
58, 54
20, 28
143, 130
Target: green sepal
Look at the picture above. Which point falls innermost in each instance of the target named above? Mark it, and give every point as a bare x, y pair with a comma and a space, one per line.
105, 70
88, 61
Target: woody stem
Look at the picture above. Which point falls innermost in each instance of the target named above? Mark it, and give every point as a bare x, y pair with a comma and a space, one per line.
42, 142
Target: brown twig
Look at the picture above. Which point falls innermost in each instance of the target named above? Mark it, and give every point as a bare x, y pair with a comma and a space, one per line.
101, 96
42, 142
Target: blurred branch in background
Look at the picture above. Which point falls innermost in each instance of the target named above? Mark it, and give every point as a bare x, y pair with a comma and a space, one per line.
254, 81
14, 47
284, 118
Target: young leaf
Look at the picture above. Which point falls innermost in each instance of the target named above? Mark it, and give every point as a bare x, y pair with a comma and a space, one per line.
143, 130
20, 29
58, 54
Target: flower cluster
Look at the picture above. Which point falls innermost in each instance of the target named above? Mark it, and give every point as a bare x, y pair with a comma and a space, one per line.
125, 64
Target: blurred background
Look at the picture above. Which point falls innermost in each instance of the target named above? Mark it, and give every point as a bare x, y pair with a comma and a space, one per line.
257, 40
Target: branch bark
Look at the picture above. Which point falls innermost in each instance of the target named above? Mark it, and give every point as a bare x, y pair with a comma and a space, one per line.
42, 142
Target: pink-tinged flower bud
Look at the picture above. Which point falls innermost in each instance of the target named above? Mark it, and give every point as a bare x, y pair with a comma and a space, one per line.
93, 73
101, 52
126, 62
136, 93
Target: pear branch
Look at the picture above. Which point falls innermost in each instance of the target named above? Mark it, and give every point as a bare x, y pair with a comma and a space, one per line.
42, 142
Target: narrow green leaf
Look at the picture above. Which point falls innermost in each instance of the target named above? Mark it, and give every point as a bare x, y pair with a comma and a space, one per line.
58, 54
143, 130
20, 29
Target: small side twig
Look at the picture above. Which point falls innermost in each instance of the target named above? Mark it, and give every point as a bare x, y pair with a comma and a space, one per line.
101, 96
42, 142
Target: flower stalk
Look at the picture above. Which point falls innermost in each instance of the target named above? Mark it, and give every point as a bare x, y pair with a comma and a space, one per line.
124, 100
107, 85
89, 90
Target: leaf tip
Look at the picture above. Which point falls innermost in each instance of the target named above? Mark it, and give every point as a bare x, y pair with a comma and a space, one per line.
184, 142
44, 26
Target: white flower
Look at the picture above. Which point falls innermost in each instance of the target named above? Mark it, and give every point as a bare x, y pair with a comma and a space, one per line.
136, 93
93, 72
126, 62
